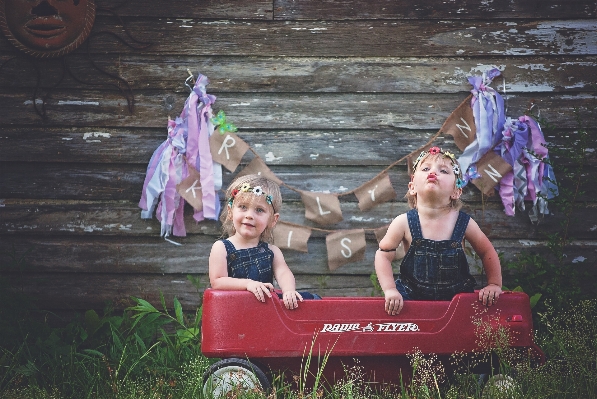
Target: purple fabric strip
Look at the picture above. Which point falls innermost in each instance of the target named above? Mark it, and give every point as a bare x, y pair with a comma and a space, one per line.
151, 169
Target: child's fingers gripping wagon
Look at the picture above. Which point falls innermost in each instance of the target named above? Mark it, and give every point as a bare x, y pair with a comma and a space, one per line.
259, 340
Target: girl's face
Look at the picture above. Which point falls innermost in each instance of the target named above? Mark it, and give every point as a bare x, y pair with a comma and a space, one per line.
435, 176
251, 215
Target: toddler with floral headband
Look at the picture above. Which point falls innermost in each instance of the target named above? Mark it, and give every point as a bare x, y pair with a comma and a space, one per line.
433, 234
246, 260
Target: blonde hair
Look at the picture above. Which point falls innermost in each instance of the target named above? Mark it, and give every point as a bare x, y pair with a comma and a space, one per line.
455, 204
269, 189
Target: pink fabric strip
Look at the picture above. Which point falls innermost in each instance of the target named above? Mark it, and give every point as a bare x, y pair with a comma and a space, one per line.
507, 193
206, 168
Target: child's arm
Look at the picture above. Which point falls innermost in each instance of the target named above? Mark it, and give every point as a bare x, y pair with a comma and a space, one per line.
285, 279
383, 264
491, 263
219, 280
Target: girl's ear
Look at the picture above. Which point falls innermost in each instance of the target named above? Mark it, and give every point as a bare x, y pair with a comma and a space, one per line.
274, 220
411, 188
456, 194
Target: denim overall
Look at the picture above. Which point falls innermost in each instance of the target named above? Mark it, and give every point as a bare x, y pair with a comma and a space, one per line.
435, 270
254, 263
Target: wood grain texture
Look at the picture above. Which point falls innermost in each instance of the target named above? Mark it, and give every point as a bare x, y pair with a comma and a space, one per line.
280, 111
375, 38
521, 74
327, 92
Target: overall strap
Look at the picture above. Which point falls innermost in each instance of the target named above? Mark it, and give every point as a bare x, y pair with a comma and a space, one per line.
460, 227
414, 224
229, 246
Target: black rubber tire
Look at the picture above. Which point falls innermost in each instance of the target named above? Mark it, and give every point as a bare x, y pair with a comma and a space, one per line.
241, 370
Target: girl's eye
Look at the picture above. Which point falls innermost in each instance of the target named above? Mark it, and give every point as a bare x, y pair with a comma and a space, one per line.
425, 168
241, 206
260, 210
445, 171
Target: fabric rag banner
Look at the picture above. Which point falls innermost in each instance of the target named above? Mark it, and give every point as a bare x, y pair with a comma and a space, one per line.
499, 154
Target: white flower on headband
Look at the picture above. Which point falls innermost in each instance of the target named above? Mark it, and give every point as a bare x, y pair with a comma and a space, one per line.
258, 191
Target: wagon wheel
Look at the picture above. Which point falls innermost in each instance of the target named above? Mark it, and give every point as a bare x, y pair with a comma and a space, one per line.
233, 375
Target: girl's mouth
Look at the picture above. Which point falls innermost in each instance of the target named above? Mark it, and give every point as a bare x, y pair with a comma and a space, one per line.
431, 177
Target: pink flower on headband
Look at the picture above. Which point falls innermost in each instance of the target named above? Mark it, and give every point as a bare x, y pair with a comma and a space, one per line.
434, 150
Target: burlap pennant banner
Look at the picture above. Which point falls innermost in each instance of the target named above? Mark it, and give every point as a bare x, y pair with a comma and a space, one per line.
227, 149
492, 168
380, 232
190, 189
321, 208
461, 125
345, 246
258, 167
289, 236
375, 192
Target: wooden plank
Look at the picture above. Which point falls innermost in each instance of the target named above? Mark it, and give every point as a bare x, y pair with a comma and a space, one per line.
121, 219
92, 291
153, 255
278, 148
375, 38
429, 9
280, 110
319, 74
353, 9
62, 181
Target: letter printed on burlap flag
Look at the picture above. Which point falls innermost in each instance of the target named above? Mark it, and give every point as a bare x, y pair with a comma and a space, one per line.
227, 149
492, 168
345, 246
461, 125
258, 167
190, 189
321, 208
375, 192
290, 236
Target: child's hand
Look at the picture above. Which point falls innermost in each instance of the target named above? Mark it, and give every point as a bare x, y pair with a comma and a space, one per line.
260, 290
290, 299
394, 301
490, 294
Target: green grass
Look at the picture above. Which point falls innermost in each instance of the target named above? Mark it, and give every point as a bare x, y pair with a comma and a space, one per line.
153, 353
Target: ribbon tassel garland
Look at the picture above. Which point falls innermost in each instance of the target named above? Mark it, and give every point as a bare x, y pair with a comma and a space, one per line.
499, 154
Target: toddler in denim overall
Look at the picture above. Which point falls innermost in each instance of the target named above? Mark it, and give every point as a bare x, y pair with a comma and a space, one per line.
247, 260
255, 264
433, 234
434, 270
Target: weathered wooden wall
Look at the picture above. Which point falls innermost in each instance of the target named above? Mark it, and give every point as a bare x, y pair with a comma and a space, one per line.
327, 92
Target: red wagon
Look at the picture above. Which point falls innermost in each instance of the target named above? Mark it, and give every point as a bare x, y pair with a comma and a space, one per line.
259, 340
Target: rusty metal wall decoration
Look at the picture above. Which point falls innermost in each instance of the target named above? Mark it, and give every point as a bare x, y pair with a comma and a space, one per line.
46, 28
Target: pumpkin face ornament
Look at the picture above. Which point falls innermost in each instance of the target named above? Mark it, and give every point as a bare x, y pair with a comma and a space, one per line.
46, 28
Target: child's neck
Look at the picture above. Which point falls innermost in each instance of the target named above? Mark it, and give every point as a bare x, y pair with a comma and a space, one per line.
437, 223
241, 242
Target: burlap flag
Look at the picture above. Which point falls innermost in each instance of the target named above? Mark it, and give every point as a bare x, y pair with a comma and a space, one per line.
345, 246
289, 236
258, 167
380, 233
227, 149
461, 125
492, 168
375, 192
190, 189
321, 208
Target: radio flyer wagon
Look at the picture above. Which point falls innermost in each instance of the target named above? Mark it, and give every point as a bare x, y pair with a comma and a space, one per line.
256, 341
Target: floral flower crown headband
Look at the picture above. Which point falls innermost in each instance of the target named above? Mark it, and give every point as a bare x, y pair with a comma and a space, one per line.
447, 154
246, 188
